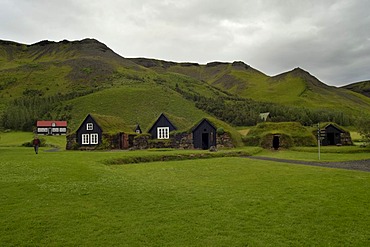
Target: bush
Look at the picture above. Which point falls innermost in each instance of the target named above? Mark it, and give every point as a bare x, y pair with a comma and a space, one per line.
30, 143
363, 125
220, 131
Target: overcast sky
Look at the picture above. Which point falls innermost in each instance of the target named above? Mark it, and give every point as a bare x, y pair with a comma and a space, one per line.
328, 38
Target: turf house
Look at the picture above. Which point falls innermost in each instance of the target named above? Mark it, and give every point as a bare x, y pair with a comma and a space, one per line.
204, 135
332, 134
108, 132
161, 128
272, 135
100, 131
138, 129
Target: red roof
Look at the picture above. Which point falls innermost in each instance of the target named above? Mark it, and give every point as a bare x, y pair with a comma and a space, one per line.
51, 123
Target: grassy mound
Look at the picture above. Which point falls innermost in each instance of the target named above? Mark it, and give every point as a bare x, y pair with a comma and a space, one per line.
290, 134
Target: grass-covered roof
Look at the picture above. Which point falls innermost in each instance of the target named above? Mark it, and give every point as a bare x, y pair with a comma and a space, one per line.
112, 124
297, 133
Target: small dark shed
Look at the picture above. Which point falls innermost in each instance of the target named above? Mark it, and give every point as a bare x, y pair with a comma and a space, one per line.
89, 133
161, 128
334, 135
204, 135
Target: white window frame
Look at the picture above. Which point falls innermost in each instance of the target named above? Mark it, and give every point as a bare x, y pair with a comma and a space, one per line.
94, 139
85, 139
163, 133
89, 126
42, 130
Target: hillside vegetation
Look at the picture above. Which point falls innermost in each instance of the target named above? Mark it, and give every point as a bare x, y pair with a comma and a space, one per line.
67, 80
296, 87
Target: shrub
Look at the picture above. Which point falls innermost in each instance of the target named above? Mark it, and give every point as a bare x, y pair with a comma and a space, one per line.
220, 131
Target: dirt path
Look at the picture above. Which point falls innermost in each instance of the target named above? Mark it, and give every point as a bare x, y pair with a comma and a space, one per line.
360, 165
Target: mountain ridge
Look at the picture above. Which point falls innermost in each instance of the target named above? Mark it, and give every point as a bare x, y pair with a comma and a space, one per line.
91, 44
362, 87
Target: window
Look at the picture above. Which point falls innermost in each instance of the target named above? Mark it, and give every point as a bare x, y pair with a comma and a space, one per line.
90, 139
42, 130
94, 139
163, 132
85, 139
89, 126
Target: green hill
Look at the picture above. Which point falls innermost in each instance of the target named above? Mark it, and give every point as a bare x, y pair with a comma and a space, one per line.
67, 80
296, 87
359, 87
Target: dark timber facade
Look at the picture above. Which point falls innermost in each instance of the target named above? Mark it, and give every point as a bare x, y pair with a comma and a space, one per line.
333, 135
204, 135
161, 128
89, 133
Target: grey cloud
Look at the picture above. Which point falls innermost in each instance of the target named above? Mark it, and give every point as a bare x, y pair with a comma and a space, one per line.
331, 38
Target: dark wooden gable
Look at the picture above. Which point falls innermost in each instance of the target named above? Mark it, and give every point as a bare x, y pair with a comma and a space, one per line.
92, 129
162, 121
204, 135
332, 135
138, 129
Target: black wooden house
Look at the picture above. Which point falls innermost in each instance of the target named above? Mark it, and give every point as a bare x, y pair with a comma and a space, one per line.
161, 128
332, 134
89, 133
100, 130
110, 132
204, 135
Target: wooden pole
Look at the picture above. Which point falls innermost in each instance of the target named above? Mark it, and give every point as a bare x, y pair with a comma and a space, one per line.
318, 138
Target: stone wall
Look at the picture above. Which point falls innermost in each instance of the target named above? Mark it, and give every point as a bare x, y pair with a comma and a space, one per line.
183, 141
110, 141
224, 141
144, 141
345, 139
141, 141
178, 140
71, 142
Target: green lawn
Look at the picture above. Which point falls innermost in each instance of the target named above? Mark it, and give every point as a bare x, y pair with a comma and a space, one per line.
73, 199
16, 139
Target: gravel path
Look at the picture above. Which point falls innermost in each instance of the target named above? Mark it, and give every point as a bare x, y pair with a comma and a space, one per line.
360, 165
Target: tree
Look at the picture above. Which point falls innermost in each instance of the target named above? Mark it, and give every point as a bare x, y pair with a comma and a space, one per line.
363, 125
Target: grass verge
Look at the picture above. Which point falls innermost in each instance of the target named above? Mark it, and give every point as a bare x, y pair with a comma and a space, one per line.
174, 155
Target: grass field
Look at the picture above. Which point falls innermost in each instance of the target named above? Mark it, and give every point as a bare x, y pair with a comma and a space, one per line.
328, 153
72, 198
16, 139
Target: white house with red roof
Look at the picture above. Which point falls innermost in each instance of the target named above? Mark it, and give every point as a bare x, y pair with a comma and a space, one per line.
51, 127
